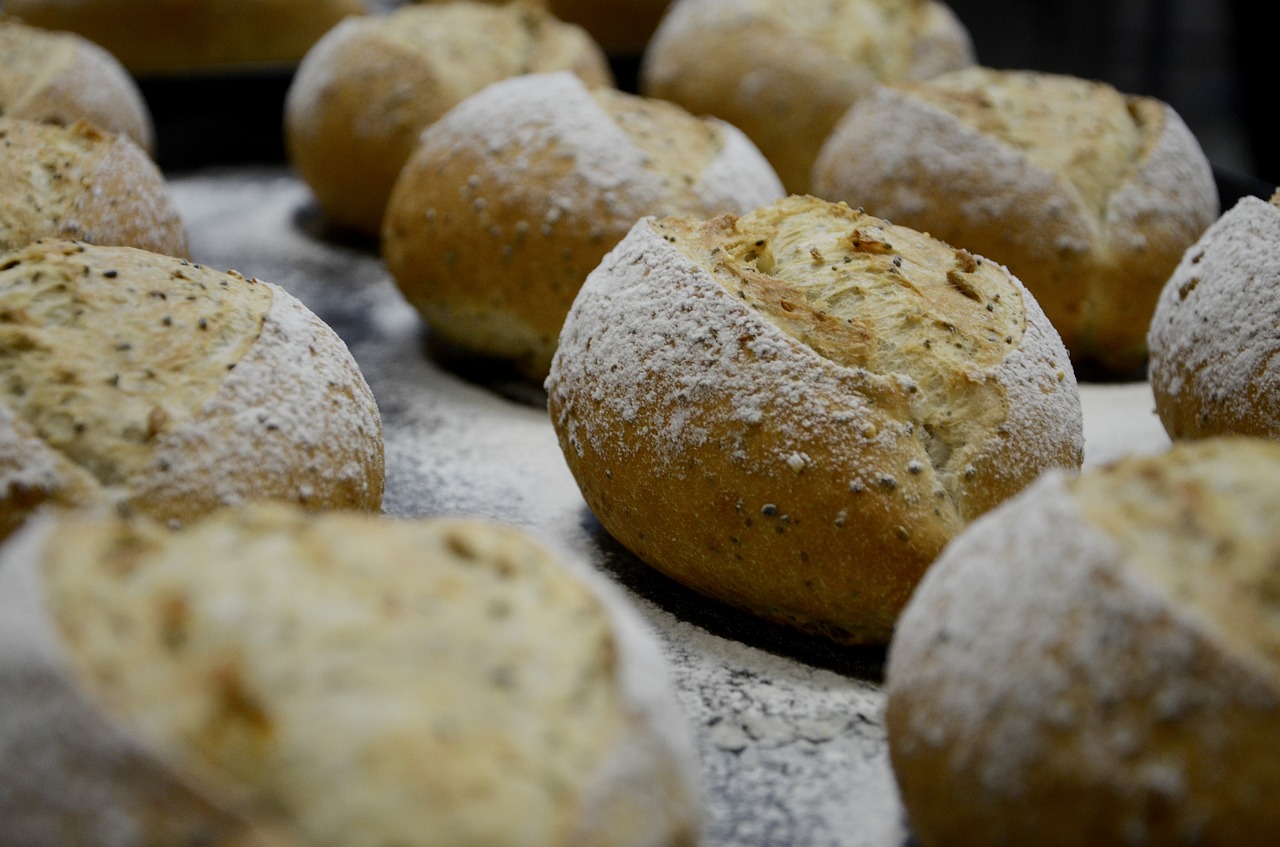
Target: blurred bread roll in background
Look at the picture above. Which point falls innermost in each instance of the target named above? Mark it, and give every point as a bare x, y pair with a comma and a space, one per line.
621, 27
785, 72
365, 92
61, 77
515, 195
176, 37
1088, 195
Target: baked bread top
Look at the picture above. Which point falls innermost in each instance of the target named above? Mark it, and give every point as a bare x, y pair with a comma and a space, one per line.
149, 383
946, 342
60, 77
80, 183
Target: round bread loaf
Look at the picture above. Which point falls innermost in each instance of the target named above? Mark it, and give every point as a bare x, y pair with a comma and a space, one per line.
1088, 195
794, 410
1098, 661
364, 93
154, 38
1214, 367
785, 72
165, 388
77, 182
516, 194
60, 78
266, 676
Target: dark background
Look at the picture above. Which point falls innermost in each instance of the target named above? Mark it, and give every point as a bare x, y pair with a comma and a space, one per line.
1203, 57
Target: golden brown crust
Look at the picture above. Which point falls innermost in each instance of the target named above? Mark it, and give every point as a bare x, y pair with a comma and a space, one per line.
166, 37
59, 77
785, 73
148, 383
796, 450
78, 182
1089, 196
365, 92
1096, 661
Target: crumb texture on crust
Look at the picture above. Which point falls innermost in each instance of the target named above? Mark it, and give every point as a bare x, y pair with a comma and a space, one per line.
515, 195
80, 183
175, 388
477, 697
1096, 660
1214, 366
808, 432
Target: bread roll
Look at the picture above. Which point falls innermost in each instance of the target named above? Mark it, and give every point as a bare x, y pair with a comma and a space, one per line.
785, 72
1214, 367
1095, 662
161, 387
794, 410
60, 78
1090, 196
365, 92
157, 38
516, 194
274, 677
77, 182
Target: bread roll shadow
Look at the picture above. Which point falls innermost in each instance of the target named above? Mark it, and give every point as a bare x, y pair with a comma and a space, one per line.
865, 662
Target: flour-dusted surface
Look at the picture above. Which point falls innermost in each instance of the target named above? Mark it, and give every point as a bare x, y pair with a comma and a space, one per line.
789, 729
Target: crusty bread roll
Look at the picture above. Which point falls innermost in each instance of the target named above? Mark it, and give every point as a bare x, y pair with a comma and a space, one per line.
794, 410
162, 387
1095, 662
60, 78
513, 197
1214, 367
155, 38
77, 182
786, 72
1090, 196
265, 676
365, 92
